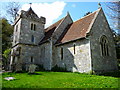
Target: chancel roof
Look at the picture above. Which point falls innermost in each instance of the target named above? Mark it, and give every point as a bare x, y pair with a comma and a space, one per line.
77, 29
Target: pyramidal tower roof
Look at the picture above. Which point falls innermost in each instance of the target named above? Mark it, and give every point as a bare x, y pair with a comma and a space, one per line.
30, 15
31, 12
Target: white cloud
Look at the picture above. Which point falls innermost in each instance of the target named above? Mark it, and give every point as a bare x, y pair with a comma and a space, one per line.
50, 11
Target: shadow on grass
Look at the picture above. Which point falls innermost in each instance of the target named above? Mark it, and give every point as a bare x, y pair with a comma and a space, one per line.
14, 73
112, 74
34, 74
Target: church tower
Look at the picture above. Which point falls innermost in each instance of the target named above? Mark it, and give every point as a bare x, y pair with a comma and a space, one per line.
28, 31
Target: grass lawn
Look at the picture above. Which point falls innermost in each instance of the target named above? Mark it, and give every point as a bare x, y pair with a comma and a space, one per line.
58, 80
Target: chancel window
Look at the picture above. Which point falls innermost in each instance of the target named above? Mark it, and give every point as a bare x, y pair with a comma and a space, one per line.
104, 46
61, 53
33, 26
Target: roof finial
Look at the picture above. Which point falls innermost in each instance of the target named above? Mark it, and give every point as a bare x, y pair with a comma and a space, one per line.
30, 4
99, 5
68, 13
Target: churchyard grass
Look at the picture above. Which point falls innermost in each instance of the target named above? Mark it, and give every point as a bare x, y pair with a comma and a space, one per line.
58, 80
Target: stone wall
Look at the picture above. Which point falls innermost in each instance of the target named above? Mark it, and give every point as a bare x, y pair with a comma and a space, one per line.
99, 62
30, 51
16, 34
26, 32
78, 62
16, 57
24, 57
46, 55
42, 55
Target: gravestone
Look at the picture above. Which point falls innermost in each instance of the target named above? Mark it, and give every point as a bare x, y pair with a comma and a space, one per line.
32, 68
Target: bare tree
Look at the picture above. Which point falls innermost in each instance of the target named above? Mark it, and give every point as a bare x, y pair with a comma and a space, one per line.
12, 8
114, 14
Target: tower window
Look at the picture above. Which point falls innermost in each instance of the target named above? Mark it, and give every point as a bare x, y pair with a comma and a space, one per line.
33, 26
104, 46
62, 53
31, 60
32, 39
19, 50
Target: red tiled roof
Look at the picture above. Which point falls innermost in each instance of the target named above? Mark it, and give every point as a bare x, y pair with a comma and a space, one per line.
49, 31
77, 30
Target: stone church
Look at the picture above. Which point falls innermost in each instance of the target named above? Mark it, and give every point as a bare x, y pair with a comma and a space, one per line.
85, 45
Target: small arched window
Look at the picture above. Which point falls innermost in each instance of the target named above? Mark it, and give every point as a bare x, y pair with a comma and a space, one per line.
33, 26
32, 39
18, 50
104, 46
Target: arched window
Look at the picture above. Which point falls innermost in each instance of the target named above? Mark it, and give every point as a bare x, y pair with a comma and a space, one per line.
104, 46
18, 50
32, 39
33, 26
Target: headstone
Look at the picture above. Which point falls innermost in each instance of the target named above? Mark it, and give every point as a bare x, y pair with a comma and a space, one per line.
18, 67
32, 68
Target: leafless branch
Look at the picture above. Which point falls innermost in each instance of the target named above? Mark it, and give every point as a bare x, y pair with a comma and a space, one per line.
12, 8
